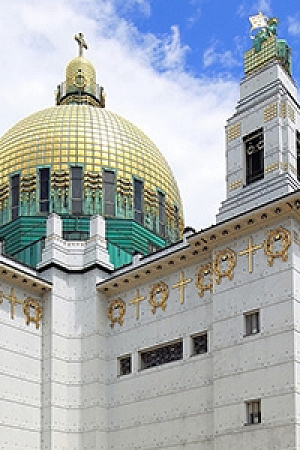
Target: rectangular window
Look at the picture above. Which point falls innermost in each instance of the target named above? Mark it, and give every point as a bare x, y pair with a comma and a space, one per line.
109, 192
254, 145
151, 248
161, 355
15, 190
76, 183
161, 213
298, 154
252, 323
138, 201
176, 222
253, 412
44, 179
124, 365
199, 344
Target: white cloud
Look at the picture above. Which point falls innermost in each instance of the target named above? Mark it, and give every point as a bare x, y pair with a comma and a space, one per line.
142, 6
196, 13
183, 115
264, 6
294, 26
224, 58
245, 9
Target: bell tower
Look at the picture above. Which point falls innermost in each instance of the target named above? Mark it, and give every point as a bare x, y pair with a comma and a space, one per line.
262, 137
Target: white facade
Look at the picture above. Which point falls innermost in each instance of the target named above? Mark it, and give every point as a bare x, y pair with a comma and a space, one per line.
193, 347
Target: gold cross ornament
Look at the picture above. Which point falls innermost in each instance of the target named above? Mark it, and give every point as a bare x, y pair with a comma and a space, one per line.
137, 299
181, 284
249, 251
13, 301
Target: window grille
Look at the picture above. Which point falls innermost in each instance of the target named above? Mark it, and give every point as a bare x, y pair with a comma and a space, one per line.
109, 192
254, 145
138, 201
15, 195
44, 175
200, 344
76, 180
161, 213
125, 365
161, 355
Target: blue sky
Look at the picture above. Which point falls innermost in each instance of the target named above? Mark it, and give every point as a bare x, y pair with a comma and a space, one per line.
172, 67
215, 34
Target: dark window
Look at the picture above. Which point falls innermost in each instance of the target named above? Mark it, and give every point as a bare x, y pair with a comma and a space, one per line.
15, 189
109, 192
253, 412
161, 213
151, 248
138, 201
254, 144
76, 183
298, 154
44, 175
161, 355
176, 222
125, 365
199, 344
251, 323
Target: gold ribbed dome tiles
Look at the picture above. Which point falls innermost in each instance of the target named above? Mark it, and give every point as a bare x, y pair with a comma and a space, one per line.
94, 137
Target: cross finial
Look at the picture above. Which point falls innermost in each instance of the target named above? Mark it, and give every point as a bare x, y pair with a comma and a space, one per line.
81, 43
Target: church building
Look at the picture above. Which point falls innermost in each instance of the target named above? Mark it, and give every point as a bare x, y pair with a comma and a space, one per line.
123, 330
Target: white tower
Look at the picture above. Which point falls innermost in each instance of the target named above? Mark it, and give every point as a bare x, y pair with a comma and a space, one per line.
263, 143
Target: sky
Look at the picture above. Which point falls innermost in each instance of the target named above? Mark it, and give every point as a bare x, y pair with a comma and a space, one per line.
172, 67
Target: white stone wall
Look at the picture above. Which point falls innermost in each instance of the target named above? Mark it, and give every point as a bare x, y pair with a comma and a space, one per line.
169, 405
200, 401
73, 365
20, 373
260, 366
61, 387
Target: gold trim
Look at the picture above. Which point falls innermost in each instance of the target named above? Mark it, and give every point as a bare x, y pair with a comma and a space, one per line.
235, 184
250, 251
29, 303
159, 288
204, 270
224, 255
276, 235
270, 112
137, 299
291, 114
272, 167
120, 305
233, 132
283, 110
181, 284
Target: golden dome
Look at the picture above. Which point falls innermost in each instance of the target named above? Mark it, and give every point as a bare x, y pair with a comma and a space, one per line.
97, 139
80, 74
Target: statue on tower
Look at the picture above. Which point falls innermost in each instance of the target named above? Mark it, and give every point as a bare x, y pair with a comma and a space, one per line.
268, 28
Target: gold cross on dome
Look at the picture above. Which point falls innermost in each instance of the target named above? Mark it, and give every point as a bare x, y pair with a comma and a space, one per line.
137, 299
249, 251
181, 284
81, 43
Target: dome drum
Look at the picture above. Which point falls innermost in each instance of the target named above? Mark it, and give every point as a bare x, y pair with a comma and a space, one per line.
88, 96
92, 202
99, 144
